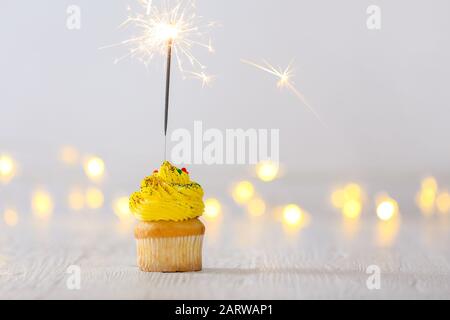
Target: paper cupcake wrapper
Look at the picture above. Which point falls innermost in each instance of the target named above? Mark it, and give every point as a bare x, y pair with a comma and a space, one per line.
175, 254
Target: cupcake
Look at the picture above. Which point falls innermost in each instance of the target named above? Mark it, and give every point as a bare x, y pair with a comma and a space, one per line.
169, 235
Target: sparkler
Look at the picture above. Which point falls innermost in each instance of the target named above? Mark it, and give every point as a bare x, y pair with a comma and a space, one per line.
169, 31
166, 112
284, 81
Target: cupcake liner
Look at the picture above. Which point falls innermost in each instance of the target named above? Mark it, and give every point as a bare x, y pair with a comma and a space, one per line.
170, 254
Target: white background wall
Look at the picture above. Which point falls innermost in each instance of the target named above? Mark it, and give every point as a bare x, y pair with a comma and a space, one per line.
384, 94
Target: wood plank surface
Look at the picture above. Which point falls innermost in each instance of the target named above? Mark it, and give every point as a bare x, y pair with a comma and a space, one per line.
243, 259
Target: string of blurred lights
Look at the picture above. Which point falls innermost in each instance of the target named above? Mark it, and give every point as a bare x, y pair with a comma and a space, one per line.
92, 198
350, 199
244, 194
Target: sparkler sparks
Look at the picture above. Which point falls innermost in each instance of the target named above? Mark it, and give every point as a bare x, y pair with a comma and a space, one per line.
203, 77
149, 7
176, 25
174, 29
285, 81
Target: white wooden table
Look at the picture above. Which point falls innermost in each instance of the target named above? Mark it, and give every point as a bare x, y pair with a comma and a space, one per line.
243, 259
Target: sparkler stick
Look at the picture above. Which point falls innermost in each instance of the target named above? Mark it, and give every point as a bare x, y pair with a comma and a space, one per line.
166, 115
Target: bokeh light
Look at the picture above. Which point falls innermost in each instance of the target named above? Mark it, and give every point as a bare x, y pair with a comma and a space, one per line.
387, 208
69, 155
293, 218
94, 167
426, 197
267, 170
11, 217
256, 207
349, 200
213, 208
425, 201
352, 209
353, 191
243, 192
76, 199
429, 183
8, 168
338, 198
42, 204
121, 208
94, 198
443, 202
293, 215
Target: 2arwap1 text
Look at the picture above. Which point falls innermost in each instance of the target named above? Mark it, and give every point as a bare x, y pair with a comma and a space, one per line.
224, 309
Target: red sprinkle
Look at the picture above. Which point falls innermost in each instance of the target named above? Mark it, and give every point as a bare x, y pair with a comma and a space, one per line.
185, 170
156, 171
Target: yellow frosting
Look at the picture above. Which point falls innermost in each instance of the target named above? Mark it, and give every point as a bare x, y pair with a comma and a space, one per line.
167, 195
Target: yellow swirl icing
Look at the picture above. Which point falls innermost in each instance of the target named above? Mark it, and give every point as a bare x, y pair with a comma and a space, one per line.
167, 195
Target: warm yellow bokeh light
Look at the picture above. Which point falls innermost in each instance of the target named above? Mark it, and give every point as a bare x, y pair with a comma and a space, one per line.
389, 220
338, 198
256, 207
267, 170
426, 197
8, 168
443, 202
387, 208
353, 191
121, 208
430, 183
42, 204
213, 208
243, 192
349, 199
352, 209
69, 155
94, 167
292, 215
94, 198
11, 217
76, 199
